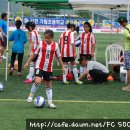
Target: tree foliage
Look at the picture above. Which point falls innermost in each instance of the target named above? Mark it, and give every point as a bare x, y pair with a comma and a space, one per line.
83, 14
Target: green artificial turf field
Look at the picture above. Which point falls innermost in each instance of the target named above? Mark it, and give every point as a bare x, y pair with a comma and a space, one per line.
87, 101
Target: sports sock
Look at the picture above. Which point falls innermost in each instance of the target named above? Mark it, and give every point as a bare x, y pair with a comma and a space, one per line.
34, 89
75, 72
31, 71
49, 94
66, 72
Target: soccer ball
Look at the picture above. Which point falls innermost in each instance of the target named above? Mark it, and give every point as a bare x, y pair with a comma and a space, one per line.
39, 101
1, 86
78, 42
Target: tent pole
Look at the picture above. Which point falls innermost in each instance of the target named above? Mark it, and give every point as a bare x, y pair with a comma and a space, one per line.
128, 7
111, 21
93, 15
22, 16
30, 13
98, 18
7, 48
118, 6
64, 14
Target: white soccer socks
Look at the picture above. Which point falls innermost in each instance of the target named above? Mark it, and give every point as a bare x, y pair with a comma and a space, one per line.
33, 91
65, 74
31, 71
49, 94
75, 72
49, 97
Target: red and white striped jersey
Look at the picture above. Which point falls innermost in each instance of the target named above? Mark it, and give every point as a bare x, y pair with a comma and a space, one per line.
87, 41
66, 40
35, 38
46, 55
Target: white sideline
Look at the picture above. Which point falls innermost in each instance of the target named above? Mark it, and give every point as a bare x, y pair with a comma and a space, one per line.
73, 101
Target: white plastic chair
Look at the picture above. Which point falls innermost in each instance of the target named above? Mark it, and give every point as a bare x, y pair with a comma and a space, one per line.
112, 55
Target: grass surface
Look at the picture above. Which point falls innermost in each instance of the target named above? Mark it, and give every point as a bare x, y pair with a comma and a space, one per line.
87, 101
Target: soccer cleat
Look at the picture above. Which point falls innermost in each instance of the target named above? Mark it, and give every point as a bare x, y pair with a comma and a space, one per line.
11, 71
79, 82
30, 99
52, 106
28, 81
66, 82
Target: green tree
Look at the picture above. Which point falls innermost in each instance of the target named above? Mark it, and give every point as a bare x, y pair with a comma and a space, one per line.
83, 14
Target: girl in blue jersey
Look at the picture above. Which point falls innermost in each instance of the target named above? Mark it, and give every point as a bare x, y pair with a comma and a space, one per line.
19, 38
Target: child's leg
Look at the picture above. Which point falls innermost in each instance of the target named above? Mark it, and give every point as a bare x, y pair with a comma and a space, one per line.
75, 72
66, 72
20, 60
30, 76
49, 93
48, 85
13, 57
34, 88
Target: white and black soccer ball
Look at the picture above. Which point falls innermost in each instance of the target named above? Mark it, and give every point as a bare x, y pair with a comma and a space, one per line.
39, 101
1, 86
78, 42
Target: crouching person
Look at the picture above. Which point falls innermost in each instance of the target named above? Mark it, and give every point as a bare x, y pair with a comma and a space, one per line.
96, 70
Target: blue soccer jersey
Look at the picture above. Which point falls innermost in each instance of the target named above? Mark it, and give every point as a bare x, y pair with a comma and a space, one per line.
3, 26
19, 38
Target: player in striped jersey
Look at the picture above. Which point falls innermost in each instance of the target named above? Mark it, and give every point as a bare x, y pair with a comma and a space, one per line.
68, 52
46, 51
34, 39
88, 42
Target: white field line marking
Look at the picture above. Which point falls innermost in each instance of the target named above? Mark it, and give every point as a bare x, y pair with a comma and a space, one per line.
73, 101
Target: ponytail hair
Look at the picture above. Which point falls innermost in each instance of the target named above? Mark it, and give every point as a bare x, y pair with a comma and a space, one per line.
18, 24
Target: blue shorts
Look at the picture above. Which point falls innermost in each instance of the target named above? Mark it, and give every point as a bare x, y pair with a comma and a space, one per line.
127, 60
